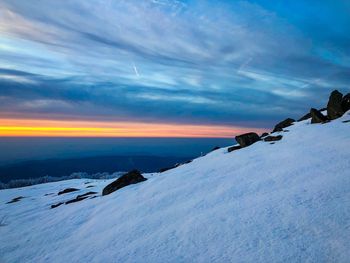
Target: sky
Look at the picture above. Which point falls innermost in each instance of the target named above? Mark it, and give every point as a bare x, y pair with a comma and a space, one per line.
167, 68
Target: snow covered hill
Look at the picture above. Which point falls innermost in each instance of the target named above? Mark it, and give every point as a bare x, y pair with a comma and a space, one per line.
283, 202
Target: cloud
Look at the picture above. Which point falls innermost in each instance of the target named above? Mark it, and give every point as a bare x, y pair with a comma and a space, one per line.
181, 61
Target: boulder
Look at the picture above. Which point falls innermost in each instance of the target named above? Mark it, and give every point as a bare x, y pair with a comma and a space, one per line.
264, 134
317, 116
345, 104
233, 148
273, 138
283, 124
305, 117
132, 177
67, 190
334, 105
247, 139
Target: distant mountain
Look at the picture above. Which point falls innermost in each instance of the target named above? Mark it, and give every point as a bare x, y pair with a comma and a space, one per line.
98, 164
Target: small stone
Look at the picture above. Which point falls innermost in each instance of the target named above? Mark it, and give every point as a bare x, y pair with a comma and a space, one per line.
67, 190
273, 138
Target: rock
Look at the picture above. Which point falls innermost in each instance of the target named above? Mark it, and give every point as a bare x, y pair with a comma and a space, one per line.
273, 138
283, 124
233, 148
334, 106
14, 200
77, 199
132, 177
67, 190
264, 134
346, 121
86, 194
56, 205
305, 117
162, 170
247, 139
215, 148
345, 104
89, 186
317, 116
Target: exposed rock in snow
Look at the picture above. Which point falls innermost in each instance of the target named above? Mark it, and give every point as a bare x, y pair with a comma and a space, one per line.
132, 177
247, 139
68, 190
345, 104
273, 138
283, 124
334, 107
317, 116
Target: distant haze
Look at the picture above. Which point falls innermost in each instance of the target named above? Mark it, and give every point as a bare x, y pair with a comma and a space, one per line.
19, 149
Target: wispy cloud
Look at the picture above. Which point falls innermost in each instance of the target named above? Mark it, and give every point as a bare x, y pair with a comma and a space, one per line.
182, 61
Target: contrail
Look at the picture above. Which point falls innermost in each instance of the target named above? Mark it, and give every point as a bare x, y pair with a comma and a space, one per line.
135, 69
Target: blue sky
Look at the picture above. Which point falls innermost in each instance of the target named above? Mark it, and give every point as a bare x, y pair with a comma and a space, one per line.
243, 63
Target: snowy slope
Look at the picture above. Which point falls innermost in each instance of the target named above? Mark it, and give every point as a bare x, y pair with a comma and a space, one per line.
282, 202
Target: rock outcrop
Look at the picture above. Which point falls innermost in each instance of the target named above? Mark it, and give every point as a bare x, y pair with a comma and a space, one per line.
247, 139
283, 124
132, 177
317, 116
334, 106
345, 104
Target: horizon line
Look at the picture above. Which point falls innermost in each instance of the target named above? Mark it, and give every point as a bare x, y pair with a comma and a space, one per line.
117, 129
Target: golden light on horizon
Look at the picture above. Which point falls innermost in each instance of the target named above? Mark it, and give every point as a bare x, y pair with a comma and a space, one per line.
59, 128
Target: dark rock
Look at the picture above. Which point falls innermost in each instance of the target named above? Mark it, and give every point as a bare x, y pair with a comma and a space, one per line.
233, 148
172, 167
305, 117
86, 194
317, 116
89, 186
334, 106
162, 170
346, 121
283, 124
76, 200
272, 143
56, 205
215, 148
132, 177
264, 134
273, 138
67, 190
14, 200
247, 139
345, 103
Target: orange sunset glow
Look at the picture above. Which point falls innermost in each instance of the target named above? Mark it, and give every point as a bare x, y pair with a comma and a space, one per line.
56, 128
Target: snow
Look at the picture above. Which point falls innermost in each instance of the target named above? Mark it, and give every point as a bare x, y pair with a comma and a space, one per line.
282, 202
